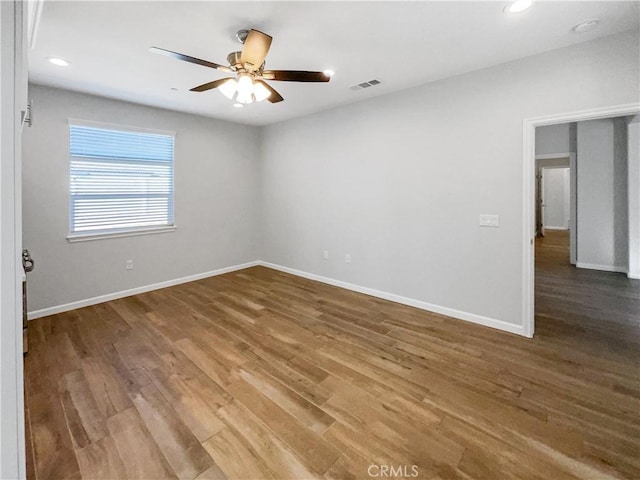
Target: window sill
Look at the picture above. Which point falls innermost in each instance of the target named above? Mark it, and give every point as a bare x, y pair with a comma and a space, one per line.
86, 237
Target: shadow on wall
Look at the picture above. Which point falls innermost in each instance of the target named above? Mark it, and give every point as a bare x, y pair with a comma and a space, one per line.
620, 192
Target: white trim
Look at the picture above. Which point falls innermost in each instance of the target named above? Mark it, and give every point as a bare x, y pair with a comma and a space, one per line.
552, 167
633, 276
13, 84
528, 187
34, 13
469, 317
135, 291
529, 224
604, 268
118, 127
85, 237
548, 227
549, 156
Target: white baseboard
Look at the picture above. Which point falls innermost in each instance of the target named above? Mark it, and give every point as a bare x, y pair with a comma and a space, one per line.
604, 268
553, 155
555, 228
633, 276
135, 291
469, 317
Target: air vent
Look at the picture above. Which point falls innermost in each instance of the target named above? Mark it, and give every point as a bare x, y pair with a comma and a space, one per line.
363, 85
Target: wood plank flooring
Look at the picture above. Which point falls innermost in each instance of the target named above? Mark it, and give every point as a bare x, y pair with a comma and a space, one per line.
261, 375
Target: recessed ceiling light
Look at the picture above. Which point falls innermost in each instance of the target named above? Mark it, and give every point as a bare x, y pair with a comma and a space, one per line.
329, 73
518, 6
586, 25
238, 105
61, 62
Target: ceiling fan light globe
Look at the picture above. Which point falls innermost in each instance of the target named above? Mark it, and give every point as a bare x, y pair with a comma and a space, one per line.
261, 92
244, 98
245, 85
229, 88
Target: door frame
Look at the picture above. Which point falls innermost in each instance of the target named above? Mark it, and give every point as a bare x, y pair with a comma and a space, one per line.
528, 193
12, 93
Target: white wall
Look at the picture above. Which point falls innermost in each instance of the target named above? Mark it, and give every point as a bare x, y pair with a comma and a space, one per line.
602, 195
633, 191
216, 195
398, 181
556, 198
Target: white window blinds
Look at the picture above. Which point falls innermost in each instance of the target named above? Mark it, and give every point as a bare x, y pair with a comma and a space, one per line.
119, 180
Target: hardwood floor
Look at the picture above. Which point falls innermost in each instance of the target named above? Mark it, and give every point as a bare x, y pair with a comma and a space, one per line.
259, 374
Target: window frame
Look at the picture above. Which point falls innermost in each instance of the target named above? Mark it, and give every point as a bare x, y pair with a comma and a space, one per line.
117, 232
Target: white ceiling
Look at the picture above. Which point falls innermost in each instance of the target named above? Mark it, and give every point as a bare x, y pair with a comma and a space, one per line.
402, 44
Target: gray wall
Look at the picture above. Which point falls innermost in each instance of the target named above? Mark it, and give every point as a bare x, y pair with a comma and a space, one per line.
602, 194
216, 193
633, 148
553, 139
398, 181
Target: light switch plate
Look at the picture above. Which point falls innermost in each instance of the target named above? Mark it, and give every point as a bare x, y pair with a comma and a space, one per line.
487, 220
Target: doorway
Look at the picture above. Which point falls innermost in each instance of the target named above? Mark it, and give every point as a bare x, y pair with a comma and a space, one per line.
532, 221
554, 194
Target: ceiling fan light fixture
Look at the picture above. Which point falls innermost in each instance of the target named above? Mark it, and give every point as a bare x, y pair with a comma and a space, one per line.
245, 85
248, 84
244, 98
260, 92
229, 88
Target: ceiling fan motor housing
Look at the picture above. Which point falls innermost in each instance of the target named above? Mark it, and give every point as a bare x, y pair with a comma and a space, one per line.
234, 59
236, 63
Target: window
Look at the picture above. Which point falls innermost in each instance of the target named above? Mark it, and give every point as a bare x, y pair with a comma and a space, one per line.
121, 181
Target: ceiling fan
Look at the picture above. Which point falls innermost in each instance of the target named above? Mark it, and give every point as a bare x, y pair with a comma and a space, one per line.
249, 84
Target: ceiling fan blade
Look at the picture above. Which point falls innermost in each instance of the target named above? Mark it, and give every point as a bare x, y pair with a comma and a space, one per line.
295, 76
256, 47
275, 97
210, 85
187, 58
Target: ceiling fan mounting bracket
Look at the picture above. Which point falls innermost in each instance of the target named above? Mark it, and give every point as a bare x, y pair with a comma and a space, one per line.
241, 35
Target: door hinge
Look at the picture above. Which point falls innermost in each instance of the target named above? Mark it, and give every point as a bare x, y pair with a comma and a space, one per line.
27, 117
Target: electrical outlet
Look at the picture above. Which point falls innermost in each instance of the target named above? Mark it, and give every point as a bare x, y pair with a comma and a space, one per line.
128, 265
325, 254
347, 258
